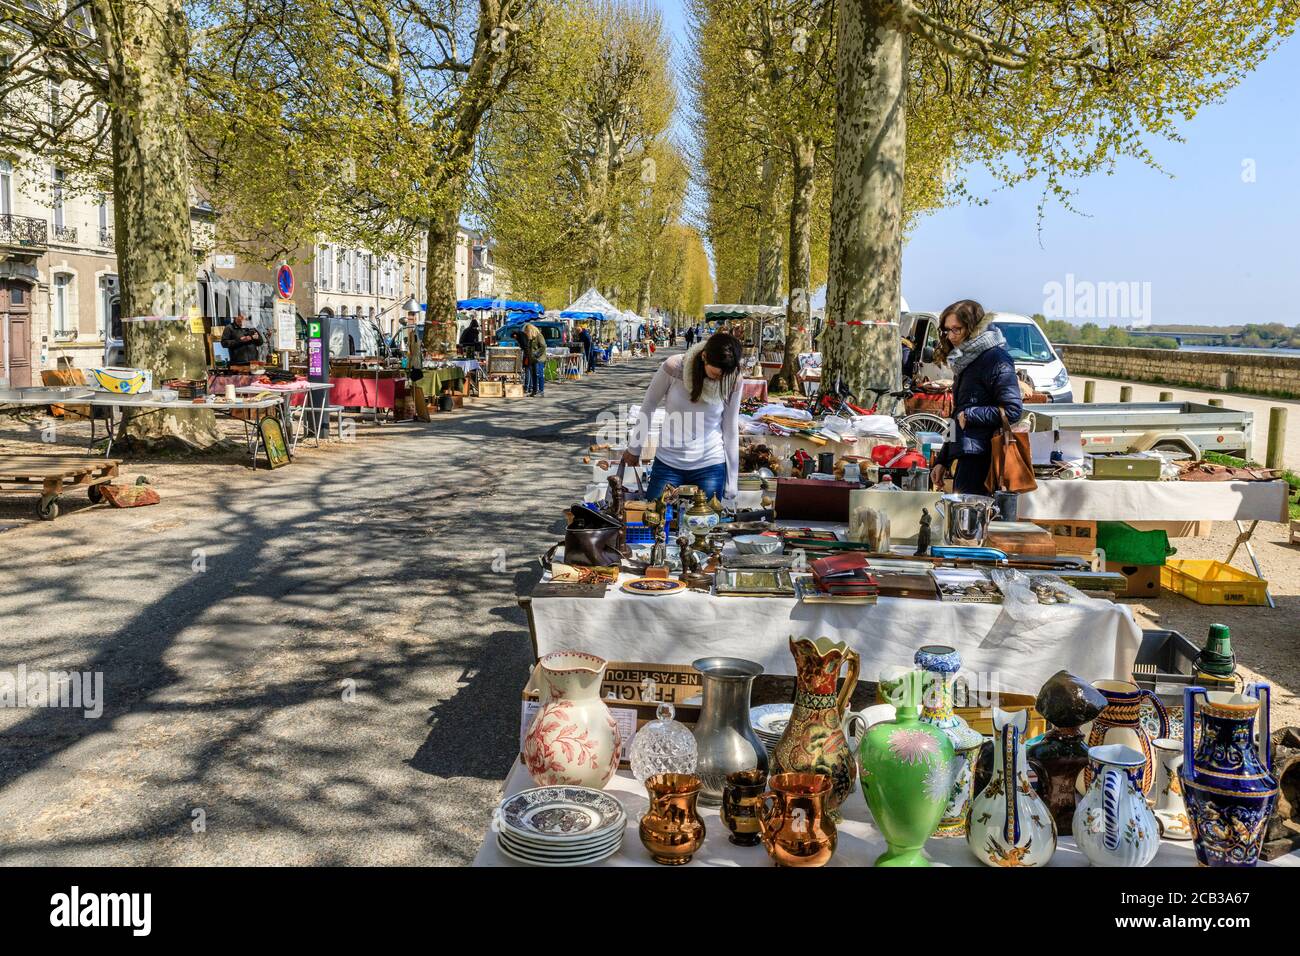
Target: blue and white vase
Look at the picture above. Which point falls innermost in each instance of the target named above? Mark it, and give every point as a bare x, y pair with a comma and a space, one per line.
941, 665
1227, 775
1113, 825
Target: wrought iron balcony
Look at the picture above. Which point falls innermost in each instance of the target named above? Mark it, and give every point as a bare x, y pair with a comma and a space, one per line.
23, 231
66, 234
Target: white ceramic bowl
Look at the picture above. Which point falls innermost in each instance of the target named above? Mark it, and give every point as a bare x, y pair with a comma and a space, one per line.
757, 544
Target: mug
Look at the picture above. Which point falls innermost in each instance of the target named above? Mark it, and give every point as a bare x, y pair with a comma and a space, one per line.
792, 820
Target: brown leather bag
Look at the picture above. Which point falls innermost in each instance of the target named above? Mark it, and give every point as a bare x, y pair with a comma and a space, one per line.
1012, 466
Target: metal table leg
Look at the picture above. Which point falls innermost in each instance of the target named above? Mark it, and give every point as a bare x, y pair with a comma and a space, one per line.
1243, 538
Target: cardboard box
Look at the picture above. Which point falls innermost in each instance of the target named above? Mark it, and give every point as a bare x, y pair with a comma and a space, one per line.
633, 692
1072, 537
1143, 579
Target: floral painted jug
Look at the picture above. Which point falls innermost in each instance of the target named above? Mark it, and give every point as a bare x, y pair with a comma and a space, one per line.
1167, 795
907, 773
941, 665
1121, 723
1009, 823
814, 741
573, 739
1113, 825
1227, 776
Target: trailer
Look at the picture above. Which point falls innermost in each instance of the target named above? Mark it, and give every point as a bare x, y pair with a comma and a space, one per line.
1190, 428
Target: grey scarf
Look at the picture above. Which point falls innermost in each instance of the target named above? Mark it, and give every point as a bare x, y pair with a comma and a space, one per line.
990, 338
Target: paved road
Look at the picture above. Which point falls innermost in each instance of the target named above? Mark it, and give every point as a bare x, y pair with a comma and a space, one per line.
1108, 391
316, 665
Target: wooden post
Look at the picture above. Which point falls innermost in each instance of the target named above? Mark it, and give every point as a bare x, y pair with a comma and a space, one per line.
1276, 437
1126, 393
1166, 396
1089, 390
1216, 402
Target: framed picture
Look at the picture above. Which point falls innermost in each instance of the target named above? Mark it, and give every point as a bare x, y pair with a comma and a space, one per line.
277, 450
508, 362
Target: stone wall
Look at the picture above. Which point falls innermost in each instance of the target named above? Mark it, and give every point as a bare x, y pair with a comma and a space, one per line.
1219, 371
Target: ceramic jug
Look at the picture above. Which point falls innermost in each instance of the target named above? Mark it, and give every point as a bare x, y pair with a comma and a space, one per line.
1167, 795
1009, 823
725, 740
1227, 774
940, 665
672, 829
1060, 757
573, 739
1121, 723
792, 820
813, 741
1113, 825
906, 772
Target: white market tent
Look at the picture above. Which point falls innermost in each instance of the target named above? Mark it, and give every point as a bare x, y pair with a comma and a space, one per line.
593, 301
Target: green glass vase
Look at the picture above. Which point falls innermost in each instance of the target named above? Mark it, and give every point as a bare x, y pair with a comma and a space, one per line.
906, 774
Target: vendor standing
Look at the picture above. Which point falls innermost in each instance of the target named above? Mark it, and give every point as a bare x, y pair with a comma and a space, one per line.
242, 341
588, 348
470, 338
984, 386
699, 442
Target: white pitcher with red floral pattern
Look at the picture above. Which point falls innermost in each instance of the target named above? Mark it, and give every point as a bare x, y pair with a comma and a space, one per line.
573, 739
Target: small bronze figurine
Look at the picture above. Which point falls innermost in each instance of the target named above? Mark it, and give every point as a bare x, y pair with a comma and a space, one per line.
923, 536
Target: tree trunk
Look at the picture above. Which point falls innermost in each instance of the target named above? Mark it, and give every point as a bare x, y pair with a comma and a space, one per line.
766, 287
643, 293
440, 281
798, 312
146, 44
866, 201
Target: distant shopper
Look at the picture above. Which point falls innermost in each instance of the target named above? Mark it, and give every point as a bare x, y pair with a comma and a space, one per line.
242, 341
470, 338
588, 348
690, 337
699, 441
984, 385
535, 360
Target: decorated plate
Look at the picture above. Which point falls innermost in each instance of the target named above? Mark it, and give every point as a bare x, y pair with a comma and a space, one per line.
564, 814
537, 861
653, 586
560, 851
770, 720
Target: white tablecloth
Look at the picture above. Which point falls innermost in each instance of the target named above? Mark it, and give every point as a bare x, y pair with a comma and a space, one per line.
858, 842
1096, 640
1084, 500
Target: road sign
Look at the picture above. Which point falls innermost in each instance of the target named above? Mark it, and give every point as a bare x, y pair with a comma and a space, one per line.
284, 281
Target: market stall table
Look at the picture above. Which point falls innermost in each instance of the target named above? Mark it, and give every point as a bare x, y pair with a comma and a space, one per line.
432, 380
370, 388
1086, 500
1095, 637
295, 394
859, 843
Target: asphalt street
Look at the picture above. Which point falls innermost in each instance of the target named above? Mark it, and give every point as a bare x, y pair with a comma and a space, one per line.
317, 665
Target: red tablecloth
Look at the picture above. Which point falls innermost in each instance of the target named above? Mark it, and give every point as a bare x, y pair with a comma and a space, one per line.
754, 388
367, 393
217, 385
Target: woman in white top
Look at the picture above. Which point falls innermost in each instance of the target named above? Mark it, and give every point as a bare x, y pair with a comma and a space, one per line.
699, 442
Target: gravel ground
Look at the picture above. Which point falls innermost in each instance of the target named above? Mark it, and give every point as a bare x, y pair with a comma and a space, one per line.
315, 665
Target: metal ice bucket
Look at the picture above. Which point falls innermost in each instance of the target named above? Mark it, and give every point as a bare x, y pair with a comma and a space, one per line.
965, 519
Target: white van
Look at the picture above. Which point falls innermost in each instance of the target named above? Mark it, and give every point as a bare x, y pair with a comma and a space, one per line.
1026, 344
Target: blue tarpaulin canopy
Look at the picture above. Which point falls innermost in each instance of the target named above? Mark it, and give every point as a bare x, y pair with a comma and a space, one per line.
579, 314
509, 305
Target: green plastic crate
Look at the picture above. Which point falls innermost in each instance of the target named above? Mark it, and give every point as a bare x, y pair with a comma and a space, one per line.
1124, 544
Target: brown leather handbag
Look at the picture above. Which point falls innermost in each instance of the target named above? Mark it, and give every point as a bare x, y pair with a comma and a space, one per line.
1012, 465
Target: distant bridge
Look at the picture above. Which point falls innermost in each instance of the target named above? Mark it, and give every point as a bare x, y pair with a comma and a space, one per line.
1199, 338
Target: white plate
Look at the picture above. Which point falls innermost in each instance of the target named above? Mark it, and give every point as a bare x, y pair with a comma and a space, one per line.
771, 719
604, 854
556, 853
562, 814
551, 845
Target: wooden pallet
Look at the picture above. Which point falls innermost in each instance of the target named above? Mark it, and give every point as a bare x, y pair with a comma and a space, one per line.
52, 474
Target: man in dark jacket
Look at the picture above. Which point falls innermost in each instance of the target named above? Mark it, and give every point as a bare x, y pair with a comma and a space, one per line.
242, 341
469, 339
588, 347
984, 386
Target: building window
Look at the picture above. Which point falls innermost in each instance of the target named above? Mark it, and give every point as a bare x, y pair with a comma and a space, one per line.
345, 270
6, 187
363, 273
56, 181
107, 286
324, 266
55, 92
105, 221
60, 303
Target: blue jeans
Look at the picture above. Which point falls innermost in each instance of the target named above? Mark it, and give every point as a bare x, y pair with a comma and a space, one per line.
711, 479
535, 380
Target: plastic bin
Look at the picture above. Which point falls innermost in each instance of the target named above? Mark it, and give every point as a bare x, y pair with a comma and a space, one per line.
638, 532
1124, 544
1213, 582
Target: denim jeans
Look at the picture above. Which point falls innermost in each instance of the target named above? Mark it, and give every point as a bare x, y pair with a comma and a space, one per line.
535, 378
711, 479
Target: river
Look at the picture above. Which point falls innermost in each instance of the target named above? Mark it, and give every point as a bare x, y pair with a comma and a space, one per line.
1236, 348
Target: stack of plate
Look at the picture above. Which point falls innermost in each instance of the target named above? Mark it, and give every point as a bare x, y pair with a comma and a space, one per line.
769, 722
560, 826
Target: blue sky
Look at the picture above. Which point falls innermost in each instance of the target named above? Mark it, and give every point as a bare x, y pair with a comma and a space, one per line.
1202, 247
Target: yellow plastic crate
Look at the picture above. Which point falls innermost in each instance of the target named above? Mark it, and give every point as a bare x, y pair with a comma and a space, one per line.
1212, 582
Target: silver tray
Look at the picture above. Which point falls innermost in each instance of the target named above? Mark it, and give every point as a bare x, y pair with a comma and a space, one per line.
760, 582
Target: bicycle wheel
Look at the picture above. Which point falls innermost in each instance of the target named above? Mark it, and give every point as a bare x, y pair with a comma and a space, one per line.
911, 425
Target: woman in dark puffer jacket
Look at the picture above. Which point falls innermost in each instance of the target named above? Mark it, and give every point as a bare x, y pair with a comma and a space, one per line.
984, 381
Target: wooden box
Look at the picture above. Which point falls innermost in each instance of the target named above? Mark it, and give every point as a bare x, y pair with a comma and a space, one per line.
1072, 537
1295, 532
514, 390
1125, 468
491, 389
623, 688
